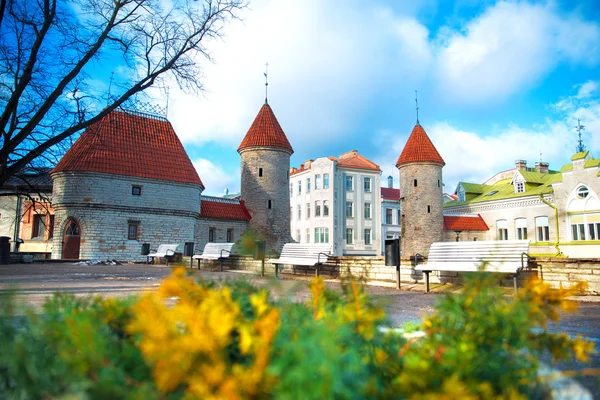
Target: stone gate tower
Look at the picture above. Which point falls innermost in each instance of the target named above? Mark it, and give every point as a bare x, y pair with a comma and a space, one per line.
265, 153
421, 202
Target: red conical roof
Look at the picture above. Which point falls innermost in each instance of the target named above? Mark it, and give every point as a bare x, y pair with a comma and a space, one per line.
131, 144
419, 148
266, 132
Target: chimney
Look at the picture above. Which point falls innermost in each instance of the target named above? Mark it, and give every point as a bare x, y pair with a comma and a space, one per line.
541, 167
301, 167
307, 163
521, 165
390, 181
349, 154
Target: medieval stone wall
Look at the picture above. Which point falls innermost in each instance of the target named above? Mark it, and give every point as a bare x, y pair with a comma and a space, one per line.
103, 206
104, 232
556, 271
220, 226
422, 206
272, 224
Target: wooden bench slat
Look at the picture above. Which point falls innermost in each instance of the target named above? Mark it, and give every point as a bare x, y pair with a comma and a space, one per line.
215, 251
504, 256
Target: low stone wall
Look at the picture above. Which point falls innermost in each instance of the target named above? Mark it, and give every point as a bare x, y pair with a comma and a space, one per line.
567, 271
557, 271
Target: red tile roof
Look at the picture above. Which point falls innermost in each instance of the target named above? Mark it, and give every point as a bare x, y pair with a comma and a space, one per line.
350, 159
464, 223
390, 193
266, 132
419, 148
131, 144
219, 208
355, 160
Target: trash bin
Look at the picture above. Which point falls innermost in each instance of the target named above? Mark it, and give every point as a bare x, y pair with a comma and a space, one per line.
145, 249
259, 249
4, 250
188, 249
392, 252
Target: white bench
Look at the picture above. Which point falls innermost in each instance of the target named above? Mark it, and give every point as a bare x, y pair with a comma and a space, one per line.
165, 251
215, 251
310, 255
503, 256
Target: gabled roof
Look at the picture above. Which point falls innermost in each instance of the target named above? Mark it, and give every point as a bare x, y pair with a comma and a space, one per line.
266, 132
464, 223
419, 148
131, 144
390, 193
580, 155
356, 161
503, 189
220, 208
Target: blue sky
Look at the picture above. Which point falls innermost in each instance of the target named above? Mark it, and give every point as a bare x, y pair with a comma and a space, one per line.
497, 81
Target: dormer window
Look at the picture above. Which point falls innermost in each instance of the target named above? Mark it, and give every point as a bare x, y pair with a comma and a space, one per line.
461, 194
520, 187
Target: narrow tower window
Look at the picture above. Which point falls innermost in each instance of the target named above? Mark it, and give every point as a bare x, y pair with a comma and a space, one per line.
415, 182
269, 204
260, 174
438, 183
428, 209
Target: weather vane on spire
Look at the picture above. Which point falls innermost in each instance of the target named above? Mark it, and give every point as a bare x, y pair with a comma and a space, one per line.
266, 81
580, 146
417, 103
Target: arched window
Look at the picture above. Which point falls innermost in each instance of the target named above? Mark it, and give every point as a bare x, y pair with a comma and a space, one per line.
521, 228
502, 229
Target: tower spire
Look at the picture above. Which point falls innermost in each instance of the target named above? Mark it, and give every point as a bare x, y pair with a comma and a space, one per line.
266, 82
580, 146
417, 103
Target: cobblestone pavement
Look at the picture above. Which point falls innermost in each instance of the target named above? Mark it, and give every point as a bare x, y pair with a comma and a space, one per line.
37, 281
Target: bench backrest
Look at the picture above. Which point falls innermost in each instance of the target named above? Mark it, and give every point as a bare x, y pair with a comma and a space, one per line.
164, 248
492, 251
215, 248
309, 251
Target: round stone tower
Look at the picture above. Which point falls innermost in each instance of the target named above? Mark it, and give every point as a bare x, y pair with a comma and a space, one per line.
265, 153
421, 202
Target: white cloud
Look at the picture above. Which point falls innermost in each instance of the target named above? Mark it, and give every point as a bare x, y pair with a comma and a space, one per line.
510, 48
326, 62
215, 179
587, 89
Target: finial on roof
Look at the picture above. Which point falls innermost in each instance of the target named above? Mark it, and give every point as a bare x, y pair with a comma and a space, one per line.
580, 146
266, 81
417, 103
541, 156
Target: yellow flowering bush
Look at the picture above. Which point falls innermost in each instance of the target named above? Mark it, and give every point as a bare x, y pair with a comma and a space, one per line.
191, 342
196, 340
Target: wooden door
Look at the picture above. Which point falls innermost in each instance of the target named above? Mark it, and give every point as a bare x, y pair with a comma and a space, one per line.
71, 241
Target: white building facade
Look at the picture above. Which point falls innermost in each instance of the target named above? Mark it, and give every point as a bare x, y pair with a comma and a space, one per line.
557, 211
337, 201
390, 213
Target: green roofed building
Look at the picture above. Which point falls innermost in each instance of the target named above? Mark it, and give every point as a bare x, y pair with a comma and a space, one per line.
558, 211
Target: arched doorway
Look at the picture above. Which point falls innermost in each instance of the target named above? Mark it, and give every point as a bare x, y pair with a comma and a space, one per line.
71, 240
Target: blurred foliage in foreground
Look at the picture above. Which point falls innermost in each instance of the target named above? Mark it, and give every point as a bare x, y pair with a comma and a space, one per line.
232, 341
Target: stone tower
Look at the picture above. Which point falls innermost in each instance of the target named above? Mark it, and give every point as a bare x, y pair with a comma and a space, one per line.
265, 153
421, 202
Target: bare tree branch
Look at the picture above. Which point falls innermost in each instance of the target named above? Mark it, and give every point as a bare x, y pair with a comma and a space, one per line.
53, 53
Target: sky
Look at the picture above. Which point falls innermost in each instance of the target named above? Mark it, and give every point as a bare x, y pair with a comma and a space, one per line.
496, 81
